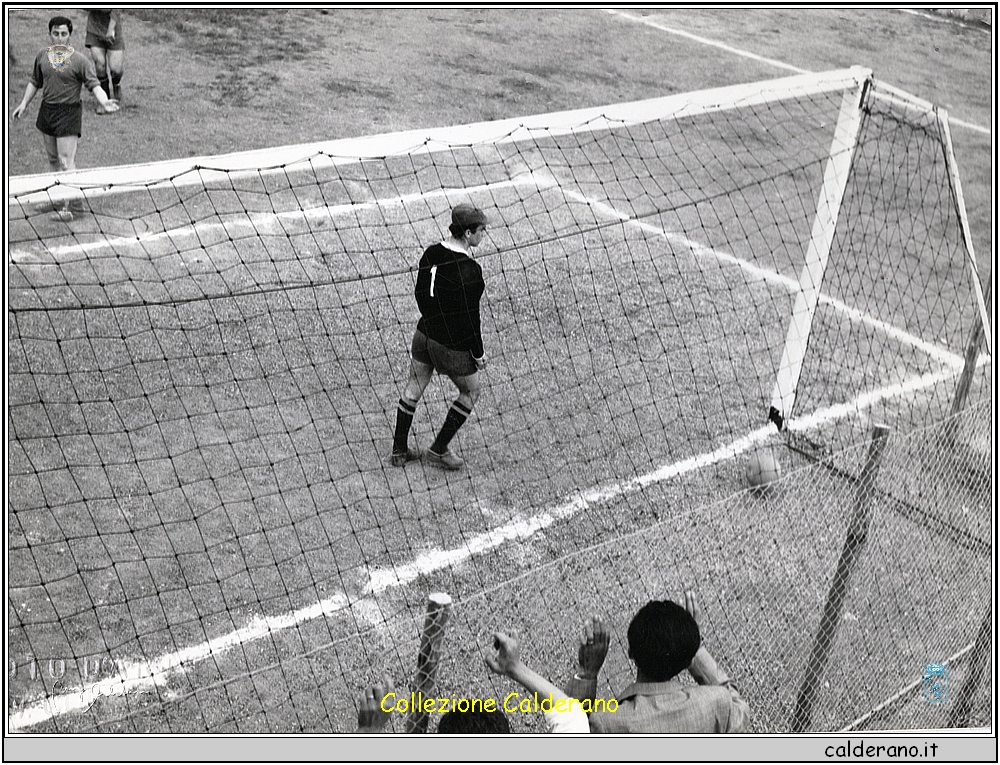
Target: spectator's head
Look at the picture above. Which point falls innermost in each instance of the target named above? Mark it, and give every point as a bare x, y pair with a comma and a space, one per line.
662, 640
474, 722
60, 21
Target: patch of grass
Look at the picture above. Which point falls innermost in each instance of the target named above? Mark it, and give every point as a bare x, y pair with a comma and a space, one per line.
342, 87
242, 87
252, 36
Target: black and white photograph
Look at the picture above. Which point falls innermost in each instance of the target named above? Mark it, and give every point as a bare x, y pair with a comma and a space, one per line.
378, 373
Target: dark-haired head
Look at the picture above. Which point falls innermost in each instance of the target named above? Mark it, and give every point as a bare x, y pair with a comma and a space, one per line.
474, 722
465, 217
662, 640
60, 21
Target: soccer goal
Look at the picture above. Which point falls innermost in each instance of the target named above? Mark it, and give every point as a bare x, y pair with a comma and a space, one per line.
203, 371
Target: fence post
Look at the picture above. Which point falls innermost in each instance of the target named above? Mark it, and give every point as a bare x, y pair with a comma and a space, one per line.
438, 613
854, 546
969, 368
961, 712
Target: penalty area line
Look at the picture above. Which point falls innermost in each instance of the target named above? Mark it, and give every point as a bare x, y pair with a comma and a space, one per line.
763, 59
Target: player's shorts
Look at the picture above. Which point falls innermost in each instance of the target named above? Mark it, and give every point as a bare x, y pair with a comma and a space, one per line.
98, 41
446, 361
60, 120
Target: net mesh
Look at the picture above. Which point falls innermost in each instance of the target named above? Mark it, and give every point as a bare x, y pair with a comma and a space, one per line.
205, 533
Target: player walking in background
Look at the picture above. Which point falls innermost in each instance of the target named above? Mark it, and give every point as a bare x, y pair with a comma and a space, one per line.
104, 38
448, 337
59, 72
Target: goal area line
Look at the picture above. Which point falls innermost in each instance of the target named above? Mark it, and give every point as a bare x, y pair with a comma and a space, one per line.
254, 222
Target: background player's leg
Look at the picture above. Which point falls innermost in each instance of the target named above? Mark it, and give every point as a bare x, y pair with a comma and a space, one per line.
63, 148
66, 151
116, 68
101, 65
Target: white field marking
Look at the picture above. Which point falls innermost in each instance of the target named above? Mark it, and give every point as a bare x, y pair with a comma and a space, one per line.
705, 41
941, 355
259, 222
144, 675
753, 56
953, 20
522, 528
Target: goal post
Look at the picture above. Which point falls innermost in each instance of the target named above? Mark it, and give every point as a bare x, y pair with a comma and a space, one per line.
828, 209
811, 279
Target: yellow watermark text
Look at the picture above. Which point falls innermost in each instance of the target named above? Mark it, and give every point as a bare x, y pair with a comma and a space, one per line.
512, 702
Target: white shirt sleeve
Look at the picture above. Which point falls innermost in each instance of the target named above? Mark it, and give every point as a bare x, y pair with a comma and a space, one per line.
572, 720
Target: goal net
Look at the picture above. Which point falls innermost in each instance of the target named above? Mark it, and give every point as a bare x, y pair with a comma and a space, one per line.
204, 529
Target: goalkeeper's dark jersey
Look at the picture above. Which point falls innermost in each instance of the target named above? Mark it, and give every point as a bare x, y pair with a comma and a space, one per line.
449, 287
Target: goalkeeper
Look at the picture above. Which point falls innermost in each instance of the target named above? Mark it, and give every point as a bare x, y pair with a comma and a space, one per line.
448, 337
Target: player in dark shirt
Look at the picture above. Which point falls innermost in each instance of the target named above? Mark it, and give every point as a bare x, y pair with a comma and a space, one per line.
448, 337
59, 72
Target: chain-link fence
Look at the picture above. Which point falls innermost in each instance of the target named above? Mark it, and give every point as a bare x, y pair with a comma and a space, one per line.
855, 583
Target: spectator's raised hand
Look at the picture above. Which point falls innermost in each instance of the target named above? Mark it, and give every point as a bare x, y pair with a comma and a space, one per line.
371, 717
691, 604
593, 647
508, 658
508, 662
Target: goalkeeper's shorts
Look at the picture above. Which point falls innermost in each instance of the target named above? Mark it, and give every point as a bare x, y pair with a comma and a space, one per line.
446, 361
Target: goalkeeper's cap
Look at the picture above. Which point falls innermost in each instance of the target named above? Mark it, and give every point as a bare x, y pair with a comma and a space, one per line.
468, 217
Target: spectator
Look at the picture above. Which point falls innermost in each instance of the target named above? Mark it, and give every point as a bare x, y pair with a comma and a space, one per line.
107, 46
562, 716
372, 716
59, 72
663, 640
480, 721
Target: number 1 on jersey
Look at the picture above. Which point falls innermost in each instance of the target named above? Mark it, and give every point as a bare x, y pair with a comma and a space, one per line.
434, 271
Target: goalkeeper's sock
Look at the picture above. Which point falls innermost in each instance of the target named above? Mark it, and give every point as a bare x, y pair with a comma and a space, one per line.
456, 418
116, 83
404, 418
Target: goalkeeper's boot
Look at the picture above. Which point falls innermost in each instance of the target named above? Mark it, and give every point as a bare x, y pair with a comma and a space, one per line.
401, 457
448, 460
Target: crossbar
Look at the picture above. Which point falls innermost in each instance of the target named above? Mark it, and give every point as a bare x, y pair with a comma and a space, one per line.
422, 140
